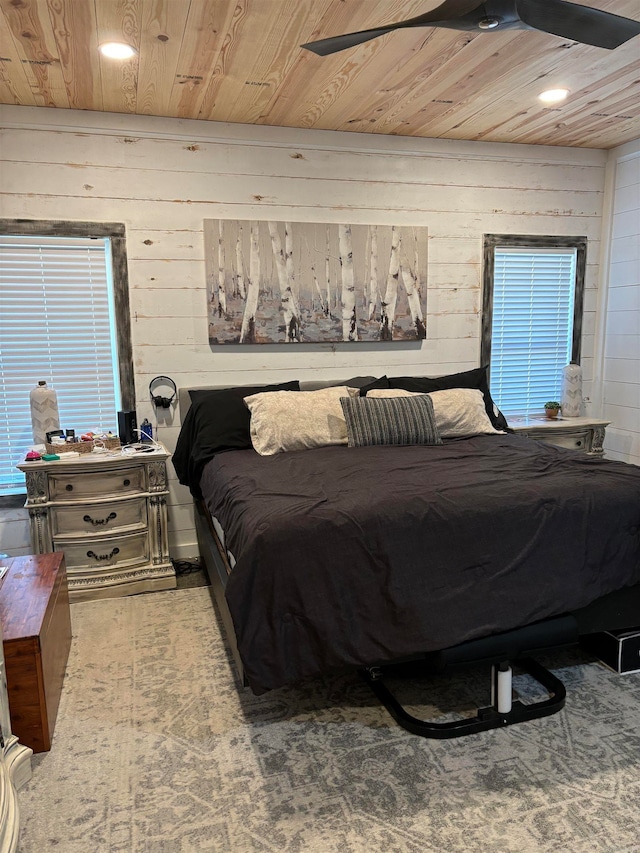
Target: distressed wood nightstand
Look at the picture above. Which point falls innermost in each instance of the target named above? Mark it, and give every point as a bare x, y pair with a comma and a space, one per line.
585, 435
108, 514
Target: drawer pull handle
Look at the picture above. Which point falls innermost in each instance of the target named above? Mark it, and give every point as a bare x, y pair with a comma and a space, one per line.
69, 487
579, 443
127, 482
100, 557
97, 521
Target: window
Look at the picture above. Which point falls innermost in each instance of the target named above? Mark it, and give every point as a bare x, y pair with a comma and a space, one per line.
532, 316
63, 294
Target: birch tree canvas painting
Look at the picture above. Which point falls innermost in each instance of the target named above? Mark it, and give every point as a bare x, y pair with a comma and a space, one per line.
301, 282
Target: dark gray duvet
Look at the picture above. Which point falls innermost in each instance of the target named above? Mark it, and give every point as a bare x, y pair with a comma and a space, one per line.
354, 556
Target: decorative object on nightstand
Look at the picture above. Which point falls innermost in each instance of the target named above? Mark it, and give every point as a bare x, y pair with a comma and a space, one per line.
583, 434
572, 390
44, 411
551, 409
108, 514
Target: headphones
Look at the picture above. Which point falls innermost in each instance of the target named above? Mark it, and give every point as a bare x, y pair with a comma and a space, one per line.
158, 401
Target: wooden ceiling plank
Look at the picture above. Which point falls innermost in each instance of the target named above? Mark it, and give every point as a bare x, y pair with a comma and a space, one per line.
312, 88
244, 63
33, 36
215, 101
579, 132
15, 83
237, 48
119, 21
512, 86
407, 80
75, 31
275, 62
163, 27
464, 74
596, 80
511, 69
206, 28
573, 118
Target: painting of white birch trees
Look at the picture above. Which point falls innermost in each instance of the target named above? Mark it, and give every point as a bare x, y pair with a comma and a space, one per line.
301, 282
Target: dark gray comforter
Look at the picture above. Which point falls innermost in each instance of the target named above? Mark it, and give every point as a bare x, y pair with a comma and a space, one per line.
353, 556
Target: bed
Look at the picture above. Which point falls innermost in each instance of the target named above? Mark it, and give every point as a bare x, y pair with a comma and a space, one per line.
363, 554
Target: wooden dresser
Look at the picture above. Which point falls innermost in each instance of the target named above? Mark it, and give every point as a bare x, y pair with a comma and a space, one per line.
108, 515
36, 626
15, 763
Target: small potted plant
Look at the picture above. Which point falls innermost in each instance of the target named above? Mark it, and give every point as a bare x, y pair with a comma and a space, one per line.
552, 408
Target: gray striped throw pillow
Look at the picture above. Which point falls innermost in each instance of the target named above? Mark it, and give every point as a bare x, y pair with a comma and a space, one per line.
395, 420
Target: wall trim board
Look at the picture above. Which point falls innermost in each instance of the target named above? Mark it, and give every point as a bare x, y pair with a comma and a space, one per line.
116, 124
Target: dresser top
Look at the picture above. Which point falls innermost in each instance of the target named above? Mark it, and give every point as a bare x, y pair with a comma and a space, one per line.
88, 460
531, 421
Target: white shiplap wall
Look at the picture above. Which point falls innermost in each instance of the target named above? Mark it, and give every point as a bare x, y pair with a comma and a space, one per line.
163, 177
621, 387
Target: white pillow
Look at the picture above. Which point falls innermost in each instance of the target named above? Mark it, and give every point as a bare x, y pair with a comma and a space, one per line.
458, 411
297, 420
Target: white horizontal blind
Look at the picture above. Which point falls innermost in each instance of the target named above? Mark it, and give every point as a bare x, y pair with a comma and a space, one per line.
532, 326
56, 310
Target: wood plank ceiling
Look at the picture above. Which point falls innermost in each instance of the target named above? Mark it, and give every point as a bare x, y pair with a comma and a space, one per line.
241, 61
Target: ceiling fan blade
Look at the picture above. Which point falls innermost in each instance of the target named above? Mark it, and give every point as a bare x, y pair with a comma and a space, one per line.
579, 23
334, 44
449, 9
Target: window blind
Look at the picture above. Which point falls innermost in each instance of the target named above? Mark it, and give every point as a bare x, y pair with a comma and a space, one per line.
532, 326
57, 324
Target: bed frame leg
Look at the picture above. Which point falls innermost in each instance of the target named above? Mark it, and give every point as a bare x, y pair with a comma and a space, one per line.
502, 712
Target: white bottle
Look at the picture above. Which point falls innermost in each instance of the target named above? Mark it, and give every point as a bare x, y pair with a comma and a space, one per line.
571, 391
44, 411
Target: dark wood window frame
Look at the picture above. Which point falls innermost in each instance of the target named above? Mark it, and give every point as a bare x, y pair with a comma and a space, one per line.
116, 233
525, 241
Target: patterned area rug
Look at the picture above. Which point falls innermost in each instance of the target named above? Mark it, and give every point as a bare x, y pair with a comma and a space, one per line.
156, 750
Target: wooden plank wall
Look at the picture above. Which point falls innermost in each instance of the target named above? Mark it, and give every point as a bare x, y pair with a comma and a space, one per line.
621, 386
163, 177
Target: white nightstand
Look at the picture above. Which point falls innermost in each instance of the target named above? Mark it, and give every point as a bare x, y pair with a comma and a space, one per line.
109, 516
585, 435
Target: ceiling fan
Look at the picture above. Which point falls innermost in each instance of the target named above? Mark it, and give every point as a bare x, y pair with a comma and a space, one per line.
558, 17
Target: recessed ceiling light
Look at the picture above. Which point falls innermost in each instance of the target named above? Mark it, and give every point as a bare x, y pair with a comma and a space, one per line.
553, 96
117, 50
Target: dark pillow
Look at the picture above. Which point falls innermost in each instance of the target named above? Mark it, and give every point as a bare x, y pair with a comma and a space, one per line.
396, 420
382, 382
318, 384
217, 421
476, 378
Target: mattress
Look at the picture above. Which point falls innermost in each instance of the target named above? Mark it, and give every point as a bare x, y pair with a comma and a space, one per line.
357, 556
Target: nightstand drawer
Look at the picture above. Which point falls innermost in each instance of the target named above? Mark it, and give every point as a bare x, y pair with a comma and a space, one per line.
99, 518
77, 486
129, 550
574, 441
